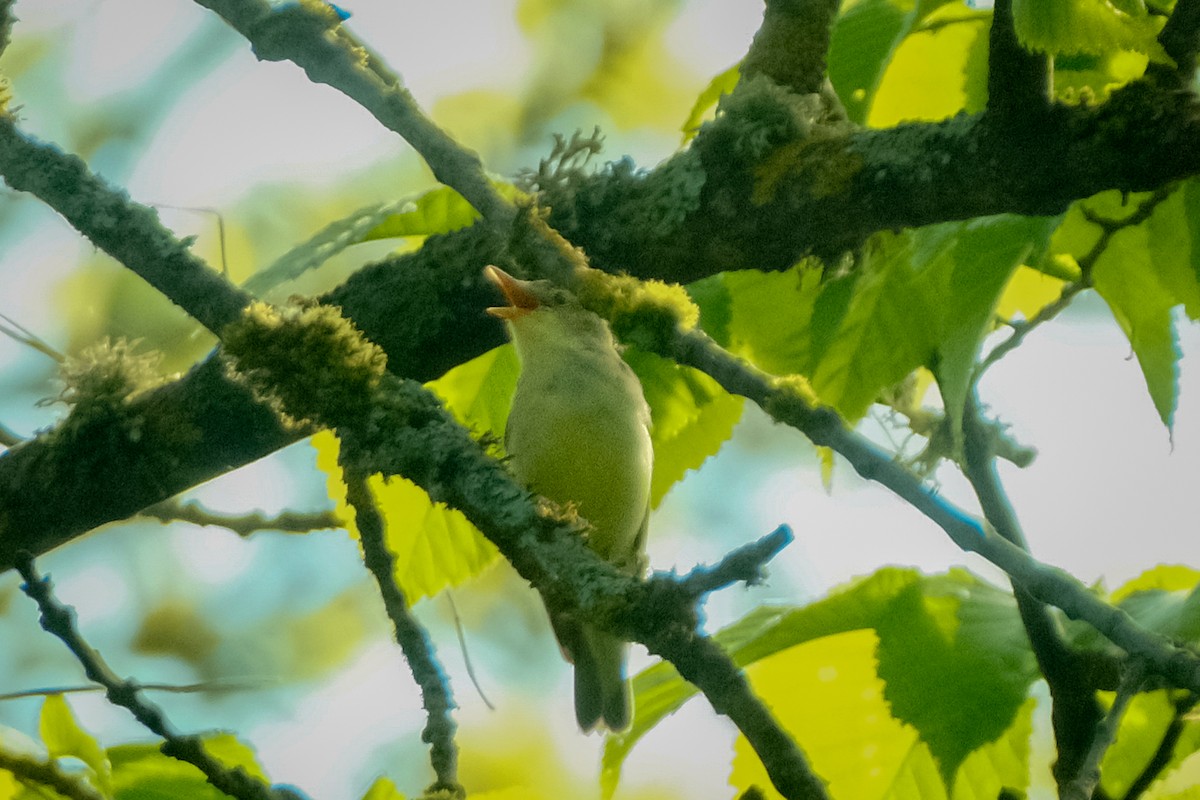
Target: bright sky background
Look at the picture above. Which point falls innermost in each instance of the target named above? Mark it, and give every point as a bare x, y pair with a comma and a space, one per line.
1108, 496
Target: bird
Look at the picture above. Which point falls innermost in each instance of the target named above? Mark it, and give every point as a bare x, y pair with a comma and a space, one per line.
578, 434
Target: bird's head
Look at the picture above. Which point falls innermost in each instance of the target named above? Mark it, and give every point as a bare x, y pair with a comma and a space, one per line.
541, 315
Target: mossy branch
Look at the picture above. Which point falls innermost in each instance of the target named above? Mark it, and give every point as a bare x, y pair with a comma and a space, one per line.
127, 231
413, 639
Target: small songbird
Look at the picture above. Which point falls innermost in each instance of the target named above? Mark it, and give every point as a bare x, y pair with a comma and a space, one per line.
578, 434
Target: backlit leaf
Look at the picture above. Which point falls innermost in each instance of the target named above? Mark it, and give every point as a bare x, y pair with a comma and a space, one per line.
1088, 26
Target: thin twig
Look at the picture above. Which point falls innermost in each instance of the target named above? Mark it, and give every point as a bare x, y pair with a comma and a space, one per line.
216, 686
1165, 750
414, 641
19, 333
313, 38
462, 646
1087, 263
786, 404
191, 511
743, 565
59, 619
1088, 778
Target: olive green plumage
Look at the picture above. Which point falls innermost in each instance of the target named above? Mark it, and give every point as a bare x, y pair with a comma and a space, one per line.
578, 433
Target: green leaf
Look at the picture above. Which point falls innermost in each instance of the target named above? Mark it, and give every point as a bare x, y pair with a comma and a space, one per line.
64, 738
479, 393
1002, 764
1093, 78
1164, 577
1142, 728
985, 256
771, 317
328, 242
865, 37
692, 417
956, 663
1099, 27
712, 296
722, 84
937, 71
970, 620
142, 772
866, 755
949, 277
439, 210
1143, 274
1126, 277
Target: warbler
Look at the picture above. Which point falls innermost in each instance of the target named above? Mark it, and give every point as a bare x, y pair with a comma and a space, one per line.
579, 434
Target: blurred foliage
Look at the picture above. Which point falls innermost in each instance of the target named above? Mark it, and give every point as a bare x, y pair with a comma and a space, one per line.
899, 685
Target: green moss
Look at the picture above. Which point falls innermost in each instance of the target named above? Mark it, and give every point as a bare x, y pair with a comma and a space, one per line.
108, 375
309, 361
760, 116
644, 313
793, 393
103, 386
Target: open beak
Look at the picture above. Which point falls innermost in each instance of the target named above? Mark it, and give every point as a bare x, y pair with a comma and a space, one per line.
520, 300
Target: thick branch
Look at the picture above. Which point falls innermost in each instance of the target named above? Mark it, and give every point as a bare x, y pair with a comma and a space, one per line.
36, 773
791, 45
1019, 82
1180, 37
827, 194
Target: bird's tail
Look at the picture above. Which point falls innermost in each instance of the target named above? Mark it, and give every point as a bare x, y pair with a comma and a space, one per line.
602, 693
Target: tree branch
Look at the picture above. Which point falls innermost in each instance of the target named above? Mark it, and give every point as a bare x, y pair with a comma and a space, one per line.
1019, 82
242, 524
311, 35
791, 44
1075, 713
36, 773
1180, 37
59, 620
1083, 786
743, 565
128, 232
413, 640
785, 402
